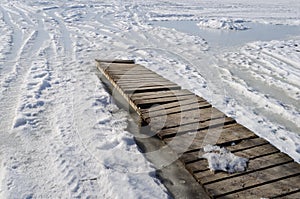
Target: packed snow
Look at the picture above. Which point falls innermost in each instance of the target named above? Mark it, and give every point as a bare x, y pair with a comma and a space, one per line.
61, 134
220, 159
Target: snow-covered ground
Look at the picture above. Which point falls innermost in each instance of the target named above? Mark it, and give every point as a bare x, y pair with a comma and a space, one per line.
61, 135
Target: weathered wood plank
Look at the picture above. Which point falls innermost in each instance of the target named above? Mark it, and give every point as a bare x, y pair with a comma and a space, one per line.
200, 139
178, 105
153, 88
130, 72
251, 153
134, 81
160, 94
254, 179
145, 84
161, 100
181, 118
135, 76
105, 66
206, 177
270, 190
194, 127
235, 132
191, 159
174, 108
292, 194
123, 67
116, 61
244, 144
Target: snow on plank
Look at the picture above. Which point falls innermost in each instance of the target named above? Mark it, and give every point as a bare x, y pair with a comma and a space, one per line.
207, 177
186, 123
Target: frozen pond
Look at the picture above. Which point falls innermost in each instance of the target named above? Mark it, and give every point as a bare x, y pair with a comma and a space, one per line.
232, 38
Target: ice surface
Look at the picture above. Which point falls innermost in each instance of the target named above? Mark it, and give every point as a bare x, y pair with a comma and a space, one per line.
220, 40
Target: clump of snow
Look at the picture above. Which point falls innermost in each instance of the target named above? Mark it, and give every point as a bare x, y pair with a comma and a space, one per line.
220, 159
223, 23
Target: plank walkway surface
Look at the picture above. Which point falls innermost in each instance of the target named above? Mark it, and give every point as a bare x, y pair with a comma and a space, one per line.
187, 122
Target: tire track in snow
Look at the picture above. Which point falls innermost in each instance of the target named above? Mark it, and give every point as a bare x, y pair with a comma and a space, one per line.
15, 90
29, 51
15, 42
36, 80
74, 133
25, 14
65, 38
71, 164
259, 74
22, 98
274, 67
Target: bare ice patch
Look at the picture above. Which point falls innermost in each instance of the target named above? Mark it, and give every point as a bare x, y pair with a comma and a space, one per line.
220, 159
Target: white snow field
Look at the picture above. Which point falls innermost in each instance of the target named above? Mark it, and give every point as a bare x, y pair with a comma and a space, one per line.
61, 134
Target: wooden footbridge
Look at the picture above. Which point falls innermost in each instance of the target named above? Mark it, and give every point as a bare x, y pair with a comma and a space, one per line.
186, 122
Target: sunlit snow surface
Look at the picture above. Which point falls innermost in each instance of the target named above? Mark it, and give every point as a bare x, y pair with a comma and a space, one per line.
61, 136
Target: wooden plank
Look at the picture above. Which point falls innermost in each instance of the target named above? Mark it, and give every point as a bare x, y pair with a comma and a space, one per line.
255, 179
139, 81
182, 118
116, 61
147, 89
177, 106
270, 190
164, 100
191, 159
180, 108
292, 194
119, 65
136, 80
201, 138
126, 76
134, 76
207, 177
244, 144
133, 81
106, 66
175, 101
142, 88
130, 72
235, 132
160, 94
214, 123
124, 68
145, 84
